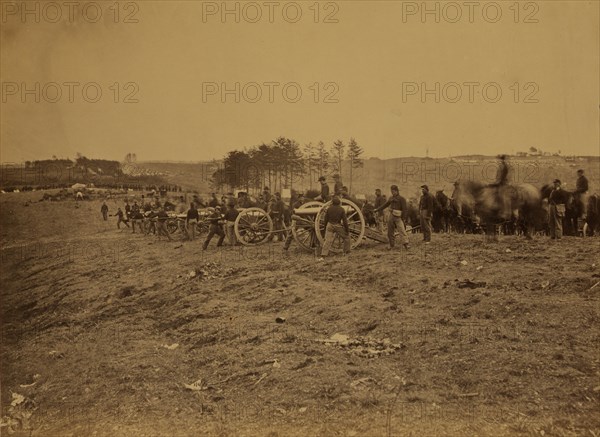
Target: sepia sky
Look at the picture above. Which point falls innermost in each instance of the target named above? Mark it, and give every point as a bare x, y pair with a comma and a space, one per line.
371, 66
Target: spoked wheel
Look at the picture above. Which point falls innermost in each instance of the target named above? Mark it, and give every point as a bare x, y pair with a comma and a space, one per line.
253, 226
303, 225
172, 225
356, 225
202, 226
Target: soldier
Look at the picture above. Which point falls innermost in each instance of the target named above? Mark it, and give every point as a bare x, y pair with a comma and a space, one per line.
191, 220
336, 224
121, 218
215, 227
127, 210
502, 203
426, 204
324, 196
580, 193
104, 211
275, 211
379, 216
214, 202
135, 207
337, 188
231, 215
398, 208
266, 194
137, 218
557, 200
162, 218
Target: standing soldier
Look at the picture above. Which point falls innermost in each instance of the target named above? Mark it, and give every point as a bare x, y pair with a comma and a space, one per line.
230, 215
337, 188
214, 202
336, 224
137, 218
191, 220
398, 208
324, 196
557, 201
162, 218
120, 218
104, 211
275, 211
266, 194
426, 203
581, 189
127, 210
215, 227
379, 217
135, 207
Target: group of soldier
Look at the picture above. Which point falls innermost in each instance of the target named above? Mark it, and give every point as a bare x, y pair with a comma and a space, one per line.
222, 214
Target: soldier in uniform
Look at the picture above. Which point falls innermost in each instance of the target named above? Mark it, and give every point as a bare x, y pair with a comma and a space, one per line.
275, 210
426, 204
191, 221
379, 216
162, 218
556, 201
336, 223
581, 189
215, 228
398, 208
231, 215
324, 196
104, 211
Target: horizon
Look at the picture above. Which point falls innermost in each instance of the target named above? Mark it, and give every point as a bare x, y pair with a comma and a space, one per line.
396, 82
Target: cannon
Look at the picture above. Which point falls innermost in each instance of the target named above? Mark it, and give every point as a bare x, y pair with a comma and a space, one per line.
308, 225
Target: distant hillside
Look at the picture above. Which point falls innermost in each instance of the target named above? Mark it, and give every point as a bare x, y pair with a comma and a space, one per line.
408, 173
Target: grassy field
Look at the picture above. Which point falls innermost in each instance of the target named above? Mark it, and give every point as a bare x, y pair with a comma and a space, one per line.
110, 333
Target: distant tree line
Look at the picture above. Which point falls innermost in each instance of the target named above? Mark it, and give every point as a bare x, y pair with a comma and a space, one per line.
284, 163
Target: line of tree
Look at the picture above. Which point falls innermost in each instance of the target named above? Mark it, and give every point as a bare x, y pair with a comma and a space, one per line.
284, 163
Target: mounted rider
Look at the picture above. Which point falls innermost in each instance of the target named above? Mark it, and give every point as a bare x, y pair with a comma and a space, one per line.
503, 200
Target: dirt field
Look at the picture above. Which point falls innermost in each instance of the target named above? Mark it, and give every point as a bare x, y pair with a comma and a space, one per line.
106, 333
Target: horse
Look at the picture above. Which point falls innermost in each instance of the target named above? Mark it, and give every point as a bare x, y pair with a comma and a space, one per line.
497, 205
593, 215
441, 212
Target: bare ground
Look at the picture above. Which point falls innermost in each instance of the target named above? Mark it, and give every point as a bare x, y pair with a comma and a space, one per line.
106, 333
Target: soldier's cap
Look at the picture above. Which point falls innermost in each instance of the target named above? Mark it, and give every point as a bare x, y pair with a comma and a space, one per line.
557, 181
322, 178
266, 189
425, 187
580, 170
336, 176
394, 188
502, 157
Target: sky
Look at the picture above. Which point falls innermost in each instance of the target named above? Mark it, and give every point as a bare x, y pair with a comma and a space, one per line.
189, 80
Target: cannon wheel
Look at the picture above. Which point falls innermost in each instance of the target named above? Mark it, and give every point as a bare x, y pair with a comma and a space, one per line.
303, 229
253, 226
172, 225
356, 224
202, 226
